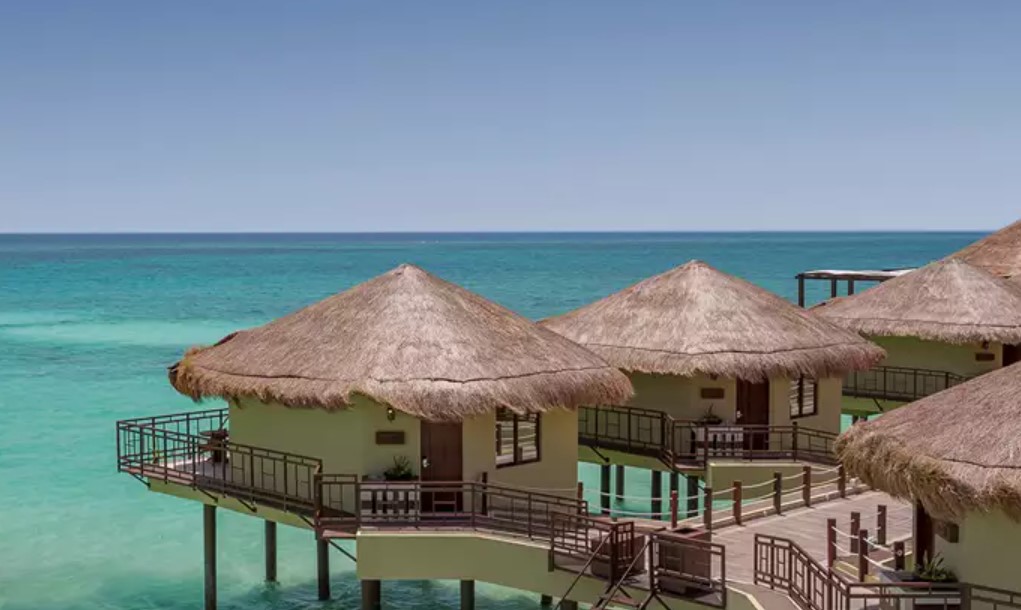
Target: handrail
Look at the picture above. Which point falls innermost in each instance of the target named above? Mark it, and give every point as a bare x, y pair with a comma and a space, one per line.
581, 572
608, 597
899, 383
782, 564
655, 433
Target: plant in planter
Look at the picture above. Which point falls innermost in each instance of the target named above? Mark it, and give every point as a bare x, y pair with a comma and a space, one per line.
400, 471
931, 569
709, 418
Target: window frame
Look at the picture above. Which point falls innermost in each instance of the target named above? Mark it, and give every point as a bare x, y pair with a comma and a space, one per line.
799, 405
506, 415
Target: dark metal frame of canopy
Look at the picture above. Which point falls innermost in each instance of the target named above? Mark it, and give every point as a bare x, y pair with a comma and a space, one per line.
850, 277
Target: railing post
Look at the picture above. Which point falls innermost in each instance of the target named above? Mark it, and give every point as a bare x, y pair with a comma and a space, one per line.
777, 492
863, 555
604, 488
794, 440
898, 555
881, 524
738, 501
614, 542
581, 491
855, 528
673, 509
841, 481
705, 446
657, 495
806, 485
707, 509
831, 542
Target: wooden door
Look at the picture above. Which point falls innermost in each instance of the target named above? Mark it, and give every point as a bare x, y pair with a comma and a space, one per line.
753, 410
1011, 354
441, 462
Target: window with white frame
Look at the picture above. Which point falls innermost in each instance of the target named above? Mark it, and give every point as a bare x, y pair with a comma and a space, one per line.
517, 438
803, 397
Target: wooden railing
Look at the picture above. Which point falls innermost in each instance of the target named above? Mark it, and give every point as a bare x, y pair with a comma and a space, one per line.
682, 566
678, 442
899, 383
344, 503
782, 565
193, 449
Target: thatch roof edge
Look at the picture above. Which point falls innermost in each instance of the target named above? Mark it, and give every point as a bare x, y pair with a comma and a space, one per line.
884, 463
931, 331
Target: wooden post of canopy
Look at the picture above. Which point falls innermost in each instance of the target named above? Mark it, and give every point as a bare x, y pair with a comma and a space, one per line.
657, 495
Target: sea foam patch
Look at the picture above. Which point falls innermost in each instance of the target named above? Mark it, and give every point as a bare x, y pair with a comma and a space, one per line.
127, 333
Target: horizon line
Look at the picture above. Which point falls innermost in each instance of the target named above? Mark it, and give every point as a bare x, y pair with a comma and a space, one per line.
495, 232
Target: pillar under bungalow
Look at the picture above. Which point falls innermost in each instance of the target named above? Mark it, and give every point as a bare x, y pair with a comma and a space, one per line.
209, 535
692, 495
569, 605
657, 495
545, 600
467, 595
271, 551
675, 483
323, 568
371, 595
620, 483
604, 488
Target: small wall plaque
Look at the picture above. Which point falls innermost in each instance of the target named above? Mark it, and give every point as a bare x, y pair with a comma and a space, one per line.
985, 357
714, 393
390, 437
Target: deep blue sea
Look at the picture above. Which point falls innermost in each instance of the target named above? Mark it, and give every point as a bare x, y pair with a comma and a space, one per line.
88, 324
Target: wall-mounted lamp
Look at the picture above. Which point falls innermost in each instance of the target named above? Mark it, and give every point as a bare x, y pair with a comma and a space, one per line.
985, 345
391, 414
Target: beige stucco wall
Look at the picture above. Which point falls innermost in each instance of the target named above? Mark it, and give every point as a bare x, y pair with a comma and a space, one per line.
988, 551
680, 396
519, 564
959, 359
345, 439
557, 470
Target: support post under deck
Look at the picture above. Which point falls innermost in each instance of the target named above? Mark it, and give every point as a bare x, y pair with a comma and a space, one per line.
604, 488
271, 551
657, 495
371, 595
620, 482
545, 600
467, 595
692, 495
209, 535
323, 568
569, 605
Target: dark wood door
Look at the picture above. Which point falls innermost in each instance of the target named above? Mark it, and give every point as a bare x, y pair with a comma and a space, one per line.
1011, 354
753, 410
441, 462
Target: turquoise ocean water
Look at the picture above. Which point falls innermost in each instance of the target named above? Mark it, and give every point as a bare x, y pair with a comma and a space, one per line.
89, 323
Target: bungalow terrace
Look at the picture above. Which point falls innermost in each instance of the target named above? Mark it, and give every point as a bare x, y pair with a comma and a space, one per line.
957, 456
727, 376
940, 325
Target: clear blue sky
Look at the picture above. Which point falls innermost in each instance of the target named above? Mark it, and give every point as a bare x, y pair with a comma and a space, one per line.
511, 115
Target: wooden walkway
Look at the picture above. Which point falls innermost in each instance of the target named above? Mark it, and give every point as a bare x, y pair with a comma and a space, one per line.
807, 527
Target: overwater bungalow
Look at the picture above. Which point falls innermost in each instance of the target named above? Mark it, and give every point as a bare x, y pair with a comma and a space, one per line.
724, 372
940, 325
957, 456
998, 253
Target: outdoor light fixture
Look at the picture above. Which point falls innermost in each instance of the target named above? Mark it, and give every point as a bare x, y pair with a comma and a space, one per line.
391, 414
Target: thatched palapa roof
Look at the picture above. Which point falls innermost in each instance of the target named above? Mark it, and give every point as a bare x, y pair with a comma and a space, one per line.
410, 340
956, 451
695, 319
998, 253
948, 301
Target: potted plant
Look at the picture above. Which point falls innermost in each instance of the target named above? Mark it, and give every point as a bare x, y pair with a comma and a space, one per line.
932, 570
400, 471
709, 418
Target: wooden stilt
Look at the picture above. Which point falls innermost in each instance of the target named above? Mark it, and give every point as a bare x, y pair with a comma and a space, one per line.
323, 568
657, 495
545, 600
209, 531
371, 595
604, 488
467, 595
271, 551
675, 483
620, 483
692, 496
569, 605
